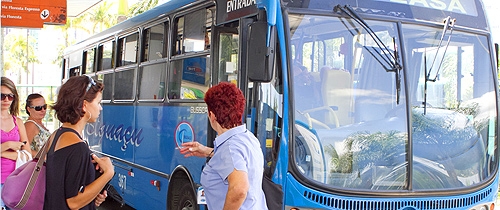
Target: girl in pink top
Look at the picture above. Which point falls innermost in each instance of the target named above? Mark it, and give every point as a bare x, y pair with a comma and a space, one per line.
13, 136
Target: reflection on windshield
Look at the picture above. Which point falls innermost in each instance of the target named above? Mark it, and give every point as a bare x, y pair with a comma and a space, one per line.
352, 133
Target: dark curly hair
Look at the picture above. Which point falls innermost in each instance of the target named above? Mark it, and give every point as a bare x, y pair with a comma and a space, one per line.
69, 104
227, 102
29, 99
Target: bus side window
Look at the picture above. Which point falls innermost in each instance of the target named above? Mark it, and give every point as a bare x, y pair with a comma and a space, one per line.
152, 81
89, 56
105, 64
152, 76
189, 76
124, 85
127, 52
192, 32
107, 80
105, 56
154, 42
74, 71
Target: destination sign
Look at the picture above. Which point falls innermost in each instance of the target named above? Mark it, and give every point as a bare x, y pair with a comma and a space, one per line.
32, 13
466, 7
229, 10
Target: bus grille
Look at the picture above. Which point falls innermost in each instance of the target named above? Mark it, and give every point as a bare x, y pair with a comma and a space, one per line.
429, 204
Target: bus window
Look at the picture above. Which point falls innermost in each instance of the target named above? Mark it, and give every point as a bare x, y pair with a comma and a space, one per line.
228, 57
106, 56
74, 71
189, 78
124, 85
89, 61
152, 81
313, 55
193, 33
107, 80
153, 42
128, 50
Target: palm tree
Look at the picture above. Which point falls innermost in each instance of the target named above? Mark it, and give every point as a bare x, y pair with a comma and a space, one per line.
73, 24
101, 17
18, 52
142, 6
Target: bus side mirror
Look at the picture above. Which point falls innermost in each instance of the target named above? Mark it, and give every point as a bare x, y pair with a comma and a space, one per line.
260, 61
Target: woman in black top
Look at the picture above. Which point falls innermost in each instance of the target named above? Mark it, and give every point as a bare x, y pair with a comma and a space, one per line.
70, 170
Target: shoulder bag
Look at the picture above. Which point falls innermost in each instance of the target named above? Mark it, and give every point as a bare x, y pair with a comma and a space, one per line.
25, 187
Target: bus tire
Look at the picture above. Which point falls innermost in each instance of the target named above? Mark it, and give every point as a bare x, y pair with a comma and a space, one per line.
181, 196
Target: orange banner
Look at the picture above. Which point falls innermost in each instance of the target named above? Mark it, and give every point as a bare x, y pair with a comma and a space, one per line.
33, 13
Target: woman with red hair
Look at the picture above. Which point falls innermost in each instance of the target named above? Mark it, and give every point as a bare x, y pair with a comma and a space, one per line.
235, 169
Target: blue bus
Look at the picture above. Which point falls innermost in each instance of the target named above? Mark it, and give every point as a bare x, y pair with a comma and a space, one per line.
374, 104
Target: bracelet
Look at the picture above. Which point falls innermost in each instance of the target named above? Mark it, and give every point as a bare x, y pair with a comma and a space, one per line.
211, 153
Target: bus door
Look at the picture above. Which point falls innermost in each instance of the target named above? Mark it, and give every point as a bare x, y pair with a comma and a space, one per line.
225, 50
263, 109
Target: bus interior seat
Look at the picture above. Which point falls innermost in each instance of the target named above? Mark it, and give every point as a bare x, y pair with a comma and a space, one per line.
336, 91
374, 97
315, 76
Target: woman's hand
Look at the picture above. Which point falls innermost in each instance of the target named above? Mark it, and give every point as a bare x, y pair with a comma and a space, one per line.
101, 198
194, 148
9, 149
104, 165
16, 145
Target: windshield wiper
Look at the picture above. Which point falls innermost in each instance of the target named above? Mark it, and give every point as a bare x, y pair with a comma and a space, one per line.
449, 24
388, 59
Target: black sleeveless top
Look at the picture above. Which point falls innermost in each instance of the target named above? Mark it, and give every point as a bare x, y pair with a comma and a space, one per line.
68, 171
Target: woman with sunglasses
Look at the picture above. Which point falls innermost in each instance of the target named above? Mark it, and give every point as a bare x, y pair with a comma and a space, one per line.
36, 108
13, 136
72, 182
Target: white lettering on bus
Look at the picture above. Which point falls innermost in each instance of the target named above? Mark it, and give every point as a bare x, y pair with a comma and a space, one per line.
116, 133
233, 5
449, 5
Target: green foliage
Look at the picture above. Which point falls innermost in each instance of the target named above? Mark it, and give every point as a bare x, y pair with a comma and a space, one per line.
19, 51
101, 17
142, 6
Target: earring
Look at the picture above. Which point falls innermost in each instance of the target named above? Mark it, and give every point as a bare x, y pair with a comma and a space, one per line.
89, 116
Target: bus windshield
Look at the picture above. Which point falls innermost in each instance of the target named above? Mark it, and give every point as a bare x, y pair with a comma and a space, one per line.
355, 129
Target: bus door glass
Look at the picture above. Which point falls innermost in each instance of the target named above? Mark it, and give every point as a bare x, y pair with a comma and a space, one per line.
263, 112
226, 54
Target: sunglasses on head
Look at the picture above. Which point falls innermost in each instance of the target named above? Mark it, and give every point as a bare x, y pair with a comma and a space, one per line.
39, 108
91, 83
9, 96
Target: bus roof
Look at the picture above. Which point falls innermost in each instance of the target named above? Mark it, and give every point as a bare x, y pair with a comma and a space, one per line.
467, 13
136, 21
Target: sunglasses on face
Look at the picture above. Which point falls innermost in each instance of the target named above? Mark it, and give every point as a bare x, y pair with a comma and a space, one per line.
39, 108
9, 96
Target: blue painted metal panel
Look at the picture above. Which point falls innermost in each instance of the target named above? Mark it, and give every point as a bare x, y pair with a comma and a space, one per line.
146, 139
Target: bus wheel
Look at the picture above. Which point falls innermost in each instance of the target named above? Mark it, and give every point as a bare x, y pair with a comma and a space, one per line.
182, 196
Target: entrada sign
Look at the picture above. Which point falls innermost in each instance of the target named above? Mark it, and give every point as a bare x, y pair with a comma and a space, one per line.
229, 10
